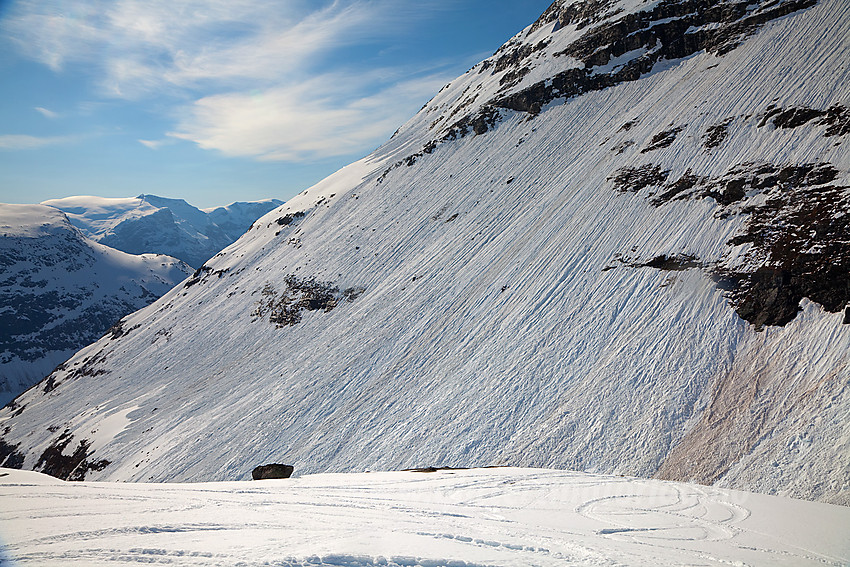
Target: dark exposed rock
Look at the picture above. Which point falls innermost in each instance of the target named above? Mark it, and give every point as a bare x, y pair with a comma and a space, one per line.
582, 14
803, 235
633, 179
283, 308
549, 16
663, 262
118, 330
620, 148
671, 30
836, 118
741, 180
49, 384
10, 457
758, 178
790, 117
197, 276
353, 293
514, 77
681, 186
767, 297
677, 263
201, 274
662, 139
586, 13
271, 471
89, 366
480, 123
75, 466
511, 58
800, 234
514, 54
288, 218
715, 135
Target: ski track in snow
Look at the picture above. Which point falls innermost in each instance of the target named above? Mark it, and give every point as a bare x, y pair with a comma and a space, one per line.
456, 518
510, 315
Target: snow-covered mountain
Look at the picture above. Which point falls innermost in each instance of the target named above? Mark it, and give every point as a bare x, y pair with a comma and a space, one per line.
619, 244
151, 224
59, 291
236, 218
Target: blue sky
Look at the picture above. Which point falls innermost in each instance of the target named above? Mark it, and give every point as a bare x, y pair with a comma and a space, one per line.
216, 101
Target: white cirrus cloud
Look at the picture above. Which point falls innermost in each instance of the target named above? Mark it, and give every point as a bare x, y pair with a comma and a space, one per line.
156, 144
310, 120
141, 46
25, 142
315, 100
46, 112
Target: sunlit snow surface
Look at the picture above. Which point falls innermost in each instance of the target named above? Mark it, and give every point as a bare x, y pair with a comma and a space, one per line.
502, 516
510, 313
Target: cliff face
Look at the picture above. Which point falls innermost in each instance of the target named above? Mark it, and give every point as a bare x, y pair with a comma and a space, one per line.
617, 245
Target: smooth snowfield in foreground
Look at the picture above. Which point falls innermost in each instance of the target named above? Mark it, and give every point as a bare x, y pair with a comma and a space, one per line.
501, 516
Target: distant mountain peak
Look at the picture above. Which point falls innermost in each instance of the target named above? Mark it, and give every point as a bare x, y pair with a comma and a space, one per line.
152, 224
60, 291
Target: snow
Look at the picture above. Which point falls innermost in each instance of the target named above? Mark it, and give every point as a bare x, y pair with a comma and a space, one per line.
63, 291
97, 215
498, 324
480, 517
151, 224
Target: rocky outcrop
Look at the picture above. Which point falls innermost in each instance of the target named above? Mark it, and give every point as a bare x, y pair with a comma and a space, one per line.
55, 462
284, 307
272, 471
796, 233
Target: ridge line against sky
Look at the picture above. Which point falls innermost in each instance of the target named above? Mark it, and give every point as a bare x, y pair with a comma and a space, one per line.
216, 101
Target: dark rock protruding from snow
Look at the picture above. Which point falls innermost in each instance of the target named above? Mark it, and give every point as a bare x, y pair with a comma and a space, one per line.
271, 471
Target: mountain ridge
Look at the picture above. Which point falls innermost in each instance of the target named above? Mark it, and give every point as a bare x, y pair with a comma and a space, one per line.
534, 292
61, 291
160, 225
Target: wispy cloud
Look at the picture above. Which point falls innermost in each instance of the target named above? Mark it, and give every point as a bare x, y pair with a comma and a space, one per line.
46, 113
304, 121
156, 144
143, 45
24, 142
220, 53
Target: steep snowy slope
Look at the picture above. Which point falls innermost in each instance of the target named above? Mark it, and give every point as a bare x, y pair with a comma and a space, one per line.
59, 291
618, 245
151, 224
